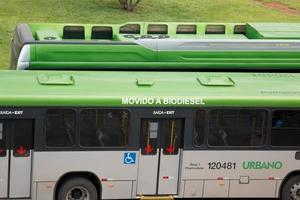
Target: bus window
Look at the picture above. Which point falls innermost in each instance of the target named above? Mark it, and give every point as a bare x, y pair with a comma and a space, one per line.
23, 138
285, 128
2, 141
60, 127
149, 136
104, 128
234, 127
173, 130
200, 128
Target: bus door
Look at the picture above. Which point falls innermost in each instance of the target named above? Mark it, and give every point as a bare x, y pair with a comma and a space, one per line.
160, 149
16, 142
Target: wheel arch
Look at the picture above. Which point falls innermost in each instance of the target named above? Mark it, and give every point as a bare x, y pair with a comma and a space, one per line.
286, 178
86, 174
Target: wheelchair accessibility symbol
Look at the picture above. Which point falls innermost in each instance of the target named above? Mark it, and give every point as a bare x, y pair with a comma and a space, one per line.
129, 158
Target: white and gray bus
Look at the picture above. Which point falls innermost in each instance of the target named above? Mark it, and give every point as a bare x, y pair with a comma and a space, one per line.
127, 135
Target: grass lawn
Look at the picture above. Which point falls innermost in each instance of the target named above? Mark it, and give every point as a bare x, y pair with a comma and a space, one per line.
108, 11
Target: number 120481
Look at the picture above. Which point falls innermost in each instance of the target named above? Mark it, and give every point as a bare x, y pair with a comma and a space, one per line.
221, 165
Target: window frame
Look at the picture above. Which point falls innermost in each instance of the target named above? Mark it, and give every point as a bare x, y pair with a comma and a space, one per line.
142, 136
102, 147
188, 139
206, 146
72, 147
13, 137
164, 140
272, 111
205, 133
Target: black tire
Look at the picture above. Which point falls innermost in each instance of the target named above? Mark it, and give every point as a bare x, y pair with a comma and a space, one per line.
77, 186
291, 188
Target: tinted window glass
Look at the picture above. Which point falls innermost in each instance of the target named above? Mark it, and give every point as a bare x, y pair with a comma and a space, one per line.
230, 127
149, 136
200, 128
60, 127
172, 130
104, 128
3, 144
22, 137
285, 128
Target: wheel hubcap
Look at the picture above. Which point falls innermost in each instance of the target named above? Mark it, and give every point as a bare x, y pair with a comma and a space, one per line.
295, 191
78, 193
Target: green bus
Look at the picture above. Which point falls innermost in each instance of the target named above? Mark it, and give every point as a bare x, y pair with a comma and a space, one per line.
157, 46
88, 135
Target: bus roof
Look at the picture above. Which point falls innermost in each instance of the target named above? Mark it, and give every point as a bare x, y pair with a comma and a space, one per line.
157, 46
148, 89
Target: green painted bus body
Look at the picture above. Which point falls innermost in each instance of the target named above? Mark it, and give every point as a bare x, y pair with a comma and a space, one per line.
84, 56
239, 46
109, 88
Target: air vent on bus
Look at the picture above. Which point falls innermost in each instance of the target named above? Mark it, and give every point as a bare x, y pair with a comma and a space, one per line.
102, 32
215, 29
55, 79
130, 29
157, 29
186, 29
73, 32
239, 29
47, 35
215, 81
144, 82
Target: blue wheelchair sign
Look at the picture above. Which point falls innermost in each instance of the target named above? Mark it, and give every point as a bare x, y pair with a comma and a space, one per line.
129, 158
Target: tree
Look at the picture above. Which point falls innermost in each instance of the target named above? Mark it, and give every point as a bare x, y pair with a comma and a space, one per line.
129, 4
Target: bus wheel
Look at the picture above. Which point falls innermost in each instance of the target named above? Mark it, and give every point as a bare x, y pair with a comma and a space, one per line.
291, 189
77, 189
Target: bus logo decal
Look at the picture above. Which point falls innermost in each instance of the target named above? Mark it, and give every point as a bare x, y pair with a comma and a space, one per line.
129, 158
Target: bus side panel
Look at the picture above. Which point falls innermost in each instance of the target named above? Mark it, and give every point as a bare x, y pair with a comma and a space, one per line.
278, 187
261, 171
262, 188
117, 177
85, 55
44, 190
230, 60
